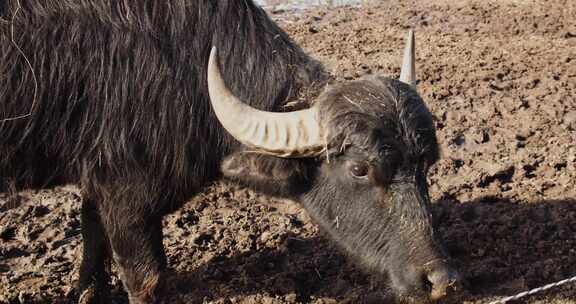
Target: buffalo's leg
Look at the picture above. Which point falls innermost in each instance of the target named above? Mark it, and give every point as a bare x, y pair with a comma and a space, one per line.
95, 268
135, 235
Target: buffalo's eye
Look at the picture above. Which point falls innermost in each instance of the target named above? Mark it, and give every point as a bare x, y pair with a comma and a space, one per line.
359, 170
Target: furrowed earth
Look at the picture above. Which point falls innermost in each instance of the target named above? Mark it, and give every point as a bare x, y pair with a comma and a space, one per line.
500, 79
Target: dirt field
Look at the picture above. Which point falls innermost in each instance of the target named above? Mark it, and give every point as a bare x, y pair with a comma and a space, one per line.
500, 79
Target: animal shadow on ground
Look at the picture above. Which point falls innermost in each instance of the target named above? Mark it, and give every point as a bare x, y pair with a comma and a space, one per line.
501, 247
504, 247
296, 273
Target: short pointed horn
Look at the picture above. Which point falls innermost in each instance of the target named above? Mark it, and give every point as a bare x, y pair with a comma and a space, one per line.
290, 134
408, 71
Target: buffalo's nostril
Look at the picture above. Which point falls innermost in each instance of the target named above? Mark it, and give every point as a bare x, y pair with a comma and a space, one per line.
441, 280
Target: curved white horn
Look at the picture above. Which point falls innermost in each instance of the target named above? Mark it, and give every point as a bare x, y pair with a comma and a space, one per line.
290, 134
408, 71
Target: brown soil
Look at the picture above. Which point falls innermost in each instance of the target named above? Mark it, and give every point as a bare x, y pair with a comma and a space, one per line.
500, 79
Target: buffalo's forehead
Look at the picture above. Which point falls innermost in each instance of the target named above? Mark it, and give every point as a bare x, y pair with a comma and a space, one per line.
375, 112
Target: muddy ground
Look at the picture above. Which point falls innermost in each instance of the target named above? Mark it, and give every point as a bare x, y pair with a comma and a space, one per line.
500, 79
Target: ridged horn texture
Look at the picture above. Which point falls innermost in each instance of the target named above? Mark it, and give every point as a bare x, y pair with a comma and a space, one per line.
290, 134
408, 71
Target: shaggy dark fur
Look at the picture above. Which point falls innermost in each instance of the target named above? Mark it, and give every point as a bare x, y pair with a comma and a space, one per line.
121, 106
116, 101
121, 85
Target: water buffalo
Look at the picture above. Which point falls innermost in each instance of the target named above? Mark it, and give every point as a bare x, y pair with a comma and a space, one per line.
142, 103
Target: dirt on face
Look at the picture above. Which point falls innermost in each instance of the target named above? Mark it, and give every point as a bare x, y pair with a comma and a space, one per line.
500, 79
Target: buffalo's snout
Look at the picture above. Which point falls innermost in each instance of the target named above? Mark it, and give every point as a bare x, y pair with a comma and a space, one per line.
434, 283
442, 280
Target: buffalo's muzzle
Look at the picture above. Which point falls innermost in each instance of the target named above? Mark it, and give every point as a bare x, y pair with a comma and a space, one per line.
442, 280
429, 284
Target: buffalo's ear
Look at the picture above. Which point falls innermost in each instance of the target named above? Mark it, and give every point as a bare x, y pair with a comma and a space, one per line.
269, 174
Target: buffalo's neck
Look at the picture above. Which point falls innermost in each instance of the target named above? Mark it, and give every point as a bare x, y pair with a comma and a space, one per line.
259, 63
